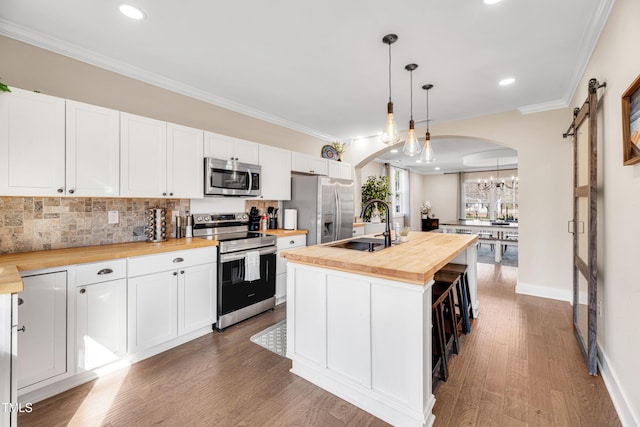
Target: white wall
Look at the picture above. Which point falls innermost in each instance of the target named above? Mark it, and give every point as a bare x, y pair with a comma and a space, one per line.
442, 191
616, 62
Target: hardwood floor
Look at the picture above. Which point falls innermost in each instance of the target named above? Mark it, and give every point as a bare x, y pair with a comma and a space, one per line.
520, 366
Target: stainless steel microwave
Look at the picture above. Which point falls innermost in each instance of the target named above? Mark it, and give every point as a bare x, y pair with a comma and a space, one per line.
231, 178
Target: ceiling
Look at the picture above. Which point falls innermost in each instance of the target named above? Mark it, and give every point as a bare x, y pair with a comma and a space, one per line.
321, 67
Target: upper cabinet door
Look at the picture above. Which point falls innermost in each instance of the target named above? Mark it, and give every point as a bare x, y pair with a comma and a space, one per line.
93, 151
185, 162
309, 164
143, 156
275, 179
247, 151
226, 148
218, 146
32, 139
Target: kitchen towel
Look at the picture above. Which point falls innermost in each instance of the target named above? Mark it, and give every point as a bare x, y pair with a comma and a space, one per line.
252, 266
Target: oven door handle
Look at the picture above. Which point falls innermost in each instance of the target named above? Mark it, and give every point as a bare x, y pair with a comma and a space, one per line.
234, 256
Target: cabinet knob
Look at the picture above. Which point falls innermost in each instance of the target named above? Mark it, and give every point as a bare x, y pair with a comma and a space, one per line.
182, 272
72, 191
312, 171
23, 329
20, 301
164, 194
171, 194
60, 190
82, 291
291, 242
175, 273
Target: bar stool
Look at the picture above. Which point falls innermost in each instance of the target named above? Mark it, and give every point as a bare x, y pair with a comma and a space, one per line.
457, 296
438, 353
443, 295
461, 269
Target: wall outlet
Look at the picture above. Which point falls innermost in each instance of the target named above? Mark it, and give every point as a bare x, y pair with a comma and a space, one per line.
599, 308
114, 217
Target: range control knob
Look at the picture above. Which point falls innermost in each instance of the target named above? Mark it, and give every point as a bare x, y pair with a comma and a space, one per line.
207, 218
198, 218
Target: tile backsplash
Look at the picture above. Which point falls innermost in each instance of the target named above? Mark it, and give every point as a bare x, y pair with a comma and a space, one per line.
37, 223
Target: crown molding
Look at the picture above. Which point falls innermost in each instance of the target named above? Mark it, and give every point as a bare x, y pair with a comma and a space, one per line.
587, 47
73, 51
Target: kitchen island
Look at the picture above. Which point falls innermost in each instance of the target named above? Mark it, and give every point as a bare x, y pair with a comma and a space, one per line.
359, 323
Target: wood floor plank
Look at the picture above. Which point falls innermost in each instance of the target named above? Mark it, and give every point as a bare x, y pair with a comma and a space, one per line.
519, 366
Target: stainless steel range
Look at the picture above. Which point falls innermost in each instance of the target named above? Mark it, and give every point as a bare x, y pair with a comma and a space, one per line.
246, 266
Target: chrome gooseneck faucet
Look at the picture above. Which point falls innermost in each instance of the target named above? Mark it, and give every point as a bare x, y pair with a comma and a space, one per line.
387, 231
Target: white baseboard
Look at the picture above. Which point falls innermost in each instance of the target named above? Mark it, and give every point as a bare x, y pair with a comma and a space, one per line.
626, 415
544, 292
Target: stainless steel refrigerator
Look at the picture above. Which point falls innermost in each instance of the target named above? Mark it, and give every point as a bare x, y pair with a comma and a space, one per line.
324, 205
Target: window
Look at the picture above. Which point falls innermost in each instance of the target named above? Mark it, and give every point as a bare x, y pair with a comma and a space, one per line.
498, 201
399, 187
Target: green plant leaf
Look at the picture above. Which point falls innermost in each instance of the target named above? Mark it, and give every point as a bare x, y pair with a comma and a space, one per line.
375, 188
4, 88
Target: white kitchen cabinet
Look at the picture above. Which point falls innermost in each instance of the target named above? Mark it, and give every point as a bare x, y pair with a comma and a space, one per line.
152, 310
305, 163
42, 328
185, 164
339, 170
101, 313
196, 297
169, 295
159, 159
226, 148
282, 244
275, 179
92, 151
8, 344
32, 144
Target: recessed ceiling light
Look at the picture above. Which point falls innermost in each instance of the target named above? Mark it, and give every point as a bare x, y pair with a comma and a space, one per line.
507, 82
437, 168
491, 1
394, 150
132, 12
418, 161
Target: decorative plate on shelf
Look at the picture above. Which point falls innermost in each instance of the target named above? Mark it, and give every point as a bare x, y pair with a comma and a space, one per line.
328, 152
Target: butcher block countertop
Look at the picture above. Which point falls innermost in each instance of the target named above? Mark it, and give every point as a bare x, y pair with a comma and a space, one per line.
414, 261
12, 264
281, 232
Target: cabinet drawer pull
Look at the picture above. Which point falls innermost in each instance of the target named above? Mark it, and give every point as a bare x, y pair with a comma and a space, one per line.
82, 291
105, 271
23, 329
177, 260
20, 301
291, 242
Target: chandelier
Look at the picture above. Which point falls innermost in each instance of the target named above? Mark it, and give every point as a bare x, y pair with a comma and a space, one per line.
499, 183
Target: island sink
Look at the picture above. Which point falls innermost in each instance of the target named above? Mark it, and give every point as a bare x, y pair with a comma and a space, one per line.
368, 244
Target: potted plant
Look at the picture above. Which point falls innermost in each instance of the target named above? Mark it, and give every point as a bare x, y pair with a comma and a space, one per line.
404, 234
376, 187
4, 88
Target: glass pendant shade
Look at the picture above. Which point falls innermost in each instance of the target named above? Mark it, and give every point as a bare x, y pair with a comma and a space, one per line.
390, 133
411, 145
427, 155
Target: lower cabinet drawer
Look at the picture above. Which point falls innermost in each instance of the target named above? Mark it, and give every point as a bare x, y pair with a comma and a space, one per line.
103, 271
138, 266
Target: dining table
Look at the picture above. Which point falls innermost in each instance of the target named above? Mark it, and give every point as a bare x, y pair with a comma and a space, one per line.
501, 234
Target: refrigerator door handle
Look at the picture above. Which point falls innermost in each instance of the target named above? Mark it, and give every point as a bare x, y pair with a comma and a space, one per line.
336, 224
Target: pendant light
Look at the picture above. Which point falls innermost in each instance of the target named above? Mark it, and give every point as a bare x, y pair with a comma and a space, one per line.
411, 145
390, 133
427, 155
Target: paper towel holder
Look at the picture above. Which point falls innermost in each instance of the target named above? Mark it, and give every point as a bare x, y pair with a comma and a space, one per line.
290, 219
